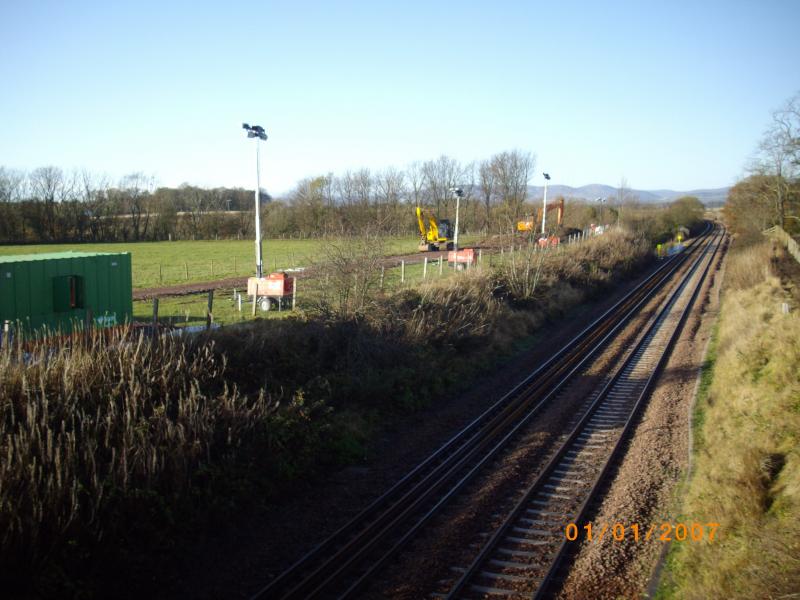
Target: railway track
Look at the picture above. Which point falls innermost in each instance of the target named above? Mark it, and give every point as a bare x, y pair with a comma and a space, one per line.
342, 564
523, 555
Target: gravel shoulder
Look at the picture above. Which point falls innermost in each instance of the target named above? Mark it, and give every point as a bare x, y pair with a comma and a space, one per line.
648, 479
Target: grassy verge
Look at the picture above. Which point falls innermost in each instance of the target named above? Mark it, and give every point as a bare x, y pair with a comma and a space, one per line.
746, 472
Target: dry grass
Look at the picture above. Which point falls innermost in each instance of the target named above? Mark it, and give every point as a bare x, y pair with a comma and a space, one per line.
86, 429
747, 469
749, 265
547, 278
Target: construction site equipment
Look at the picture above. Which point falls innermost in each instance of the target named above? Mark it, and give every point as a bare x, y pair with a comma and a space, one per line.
434, 234
58, 290
545, 241
463, 257
529, 224
272, 291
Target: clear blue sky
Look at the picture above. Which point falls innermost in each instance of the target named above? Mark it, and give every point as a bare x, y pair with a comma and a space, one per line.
667, 94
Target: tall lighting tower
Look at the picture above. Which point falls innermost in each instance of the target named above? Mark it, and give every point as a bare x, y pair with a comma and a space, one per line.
544, 202
601, 202
457, 193
257, 132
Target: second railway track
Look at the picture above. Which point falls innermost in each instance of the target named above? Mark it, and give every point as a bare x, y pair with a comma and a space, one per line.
523, 555
344, 563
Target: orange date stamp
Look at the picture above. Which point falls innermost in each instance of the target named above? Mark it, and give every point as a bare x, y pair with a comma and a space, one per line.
661, 532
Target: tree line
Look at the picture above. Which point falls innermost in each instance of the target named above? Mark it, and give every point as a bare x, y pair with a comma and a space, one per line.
770, 193
49, 204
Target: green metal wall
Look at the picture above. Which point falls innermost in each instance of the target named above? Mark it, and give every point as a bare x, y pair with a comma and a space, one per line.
32, 289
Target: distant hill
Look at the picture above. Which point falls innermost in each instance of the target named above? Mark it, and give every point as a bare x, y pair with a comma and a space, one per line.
597, 190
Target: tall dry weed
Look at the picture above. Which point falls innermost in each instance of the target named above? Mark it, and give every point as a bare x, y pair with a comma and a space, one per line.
86, 426
749, 264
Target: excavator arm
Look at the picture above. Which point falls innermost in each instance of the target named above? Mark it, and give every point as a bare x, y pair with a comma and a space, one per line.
421, 223
529, 224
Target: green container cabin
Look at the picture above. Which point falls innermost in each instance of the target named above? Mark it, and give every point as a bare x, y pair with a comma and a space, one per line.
56, 290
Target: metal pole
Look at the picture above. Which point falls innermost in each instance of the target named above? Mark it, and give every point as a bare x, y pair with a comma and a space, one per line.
544, 207
455, 237
259, 262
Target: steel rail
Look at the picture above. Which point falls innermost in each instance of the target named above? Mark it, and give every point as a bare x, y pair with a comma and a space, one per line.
316, 569
578, 430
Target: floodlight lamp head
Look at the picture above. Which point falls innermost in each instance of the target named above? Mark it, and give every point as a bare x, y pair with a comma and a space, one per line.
457, 191
245, 126
546, 176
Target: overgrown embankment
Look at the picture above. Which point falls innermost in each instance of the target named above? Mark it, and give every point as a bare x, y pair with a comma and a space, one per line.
112, 448
746, 472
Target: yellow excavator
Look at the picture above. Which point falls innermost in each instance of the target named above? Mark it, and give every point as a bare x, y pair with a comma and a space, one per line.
435, 235
529, 224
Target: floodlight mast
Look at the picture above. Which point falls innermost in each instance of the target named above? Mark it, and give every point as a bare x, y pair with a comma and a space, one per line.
458, 193
257, 132
544, 202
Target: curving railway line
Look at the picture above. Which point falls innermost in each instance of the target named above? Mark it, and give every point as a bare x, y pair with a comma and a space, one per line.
521, 556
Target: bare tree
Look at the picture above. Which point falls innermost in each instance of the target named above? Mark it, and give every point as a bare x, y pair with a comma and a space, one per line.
390, 190
486, 177
511, 171
46, 186
440, 175
12, 185
778, 156
136, 189
416, 182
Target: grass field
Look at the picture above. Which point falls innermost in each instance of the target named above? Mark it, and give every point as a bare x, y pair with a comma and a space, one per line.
168, 263
190, 309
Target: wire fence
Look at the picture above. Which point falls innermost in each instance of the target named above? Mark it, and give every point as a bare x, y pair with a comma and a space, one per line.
791, 245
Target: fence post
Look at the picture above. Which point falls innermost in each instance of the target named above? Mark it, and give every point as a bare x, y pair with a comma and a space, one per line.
239, 302
480, 256
382, 272
160, 277
186, 269
425, 268
212, 267
294, 292
402, 271
155, 314
441, 263
234, 264
255, 299
210, 307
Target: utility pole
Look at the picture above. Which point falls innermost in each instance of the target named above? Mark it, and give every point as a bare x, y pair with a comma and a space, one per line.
257, 132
